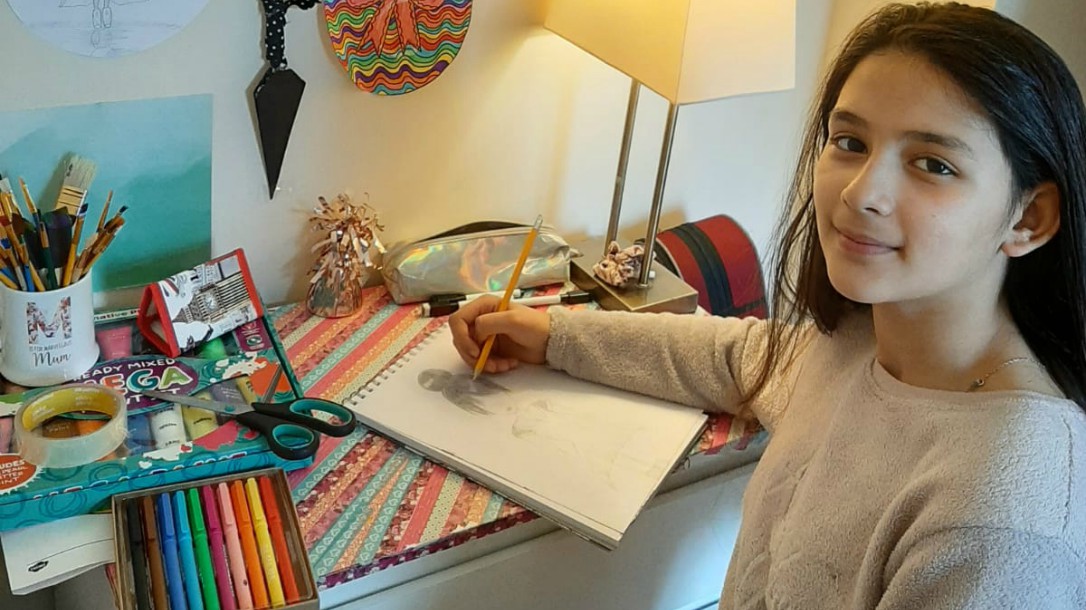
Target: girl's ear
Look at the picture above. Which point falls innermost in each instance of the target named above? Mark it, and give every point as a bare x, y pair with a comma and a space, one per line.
1037, 222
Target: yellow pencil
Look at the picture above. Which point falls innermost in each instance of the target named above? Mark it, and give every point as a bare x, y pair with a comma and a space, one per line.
7, 282
504, 304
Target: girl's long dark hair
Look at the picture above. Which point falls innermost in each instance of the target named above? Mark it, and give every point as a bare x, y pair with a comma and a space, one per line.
1037, 110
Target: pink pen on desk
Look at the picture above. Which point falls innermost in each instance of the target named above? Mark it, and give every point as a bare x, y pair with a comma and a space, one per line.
217, 546
233, 549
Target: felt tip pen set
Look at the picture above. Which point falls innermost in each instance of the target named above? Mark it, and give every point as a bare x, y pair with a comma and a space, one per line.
224, 543
158, 442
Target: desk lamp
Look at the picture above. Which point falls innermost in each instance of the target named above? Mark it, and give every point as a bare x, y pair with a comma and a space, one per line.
687, 51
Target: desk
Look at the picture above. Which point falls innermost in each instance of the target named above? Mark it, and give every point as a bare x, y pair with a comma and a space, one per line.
366, 504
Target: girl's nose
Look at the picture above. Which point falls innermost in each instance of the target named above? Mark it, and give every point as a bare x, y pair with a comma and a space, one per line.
873, 188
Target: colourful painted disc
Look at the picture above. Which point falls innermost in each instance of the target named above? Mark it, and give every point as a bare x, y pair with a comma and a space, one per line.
390, 47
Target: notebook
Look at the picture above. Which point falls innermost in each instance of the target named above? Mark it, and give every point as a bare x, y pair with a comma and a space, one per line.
585, 456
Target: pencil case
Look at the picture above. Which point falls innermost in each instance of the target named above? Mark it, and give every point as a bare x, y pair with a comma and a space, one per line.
476, 257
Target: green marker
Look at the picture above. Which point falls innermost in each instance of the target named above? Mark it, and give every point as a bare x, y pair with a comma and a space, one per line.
203, 552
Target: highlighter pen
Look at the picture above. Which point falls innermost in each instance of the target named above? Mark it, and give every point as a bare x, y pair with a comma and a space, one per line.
154, 553
264, 545
174, 584
218, 549
138, 555
185, 551
203, 553
279, 540
233, 549
248, 546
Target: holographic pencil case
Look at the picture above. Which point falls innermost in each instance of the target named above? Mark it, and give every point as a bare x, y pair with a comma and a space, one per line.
476, 257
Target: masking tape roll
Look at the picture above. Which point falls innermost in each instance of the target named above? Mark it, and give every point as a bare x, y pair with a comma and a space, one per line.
76, 451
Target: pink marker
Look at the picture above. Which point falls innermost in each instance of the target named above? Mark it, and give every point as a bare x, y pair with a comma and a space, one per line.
233, 549
218, 550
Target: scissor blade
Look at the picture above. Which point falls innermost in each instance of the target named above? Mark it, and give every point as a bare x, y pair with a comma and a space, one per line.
225, 408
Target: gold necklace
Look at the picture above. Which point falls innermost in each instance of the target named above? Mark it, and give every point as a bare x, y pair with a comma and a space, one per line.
979, 382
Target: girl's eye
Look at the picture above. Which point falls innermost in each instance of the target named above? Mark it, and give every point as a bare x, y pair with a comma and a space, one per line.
849, 144
934, 166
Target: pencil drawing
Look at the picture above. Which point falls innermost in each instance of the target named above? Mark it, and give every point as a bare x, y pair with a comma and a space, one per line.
460, 389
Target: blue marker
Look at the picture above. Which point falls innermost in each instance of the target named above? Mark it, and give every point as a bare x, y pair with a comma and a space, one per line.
174, 584
188, 555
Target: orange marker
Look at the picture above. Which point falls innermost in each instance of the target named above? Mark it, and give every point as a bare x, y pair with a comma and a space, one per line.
279, 540
248, 546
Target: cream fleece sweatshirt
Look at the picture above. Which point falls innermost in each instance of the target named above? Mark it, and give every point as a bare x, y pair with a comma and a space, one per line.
871, 493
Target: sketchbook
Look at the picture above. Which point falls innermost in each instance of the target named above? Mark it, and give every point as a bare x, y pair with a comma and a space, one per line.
583, 455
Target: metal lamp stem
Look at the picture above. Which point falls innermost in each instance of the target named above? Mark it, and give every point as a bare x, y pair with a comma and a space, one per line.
623, 163
658, 194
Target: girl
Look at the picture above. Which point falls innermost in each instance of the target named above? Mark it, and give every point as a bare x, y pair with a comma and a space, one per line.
924, 377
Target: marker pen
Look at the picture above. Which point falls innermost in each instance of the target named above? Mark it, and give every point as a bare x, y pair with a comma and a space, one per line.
570, 298
264, 545
238, 572
279, 540
189, 572
217, 546
167, 536
204, 568
138, 554
248, 545
154, 553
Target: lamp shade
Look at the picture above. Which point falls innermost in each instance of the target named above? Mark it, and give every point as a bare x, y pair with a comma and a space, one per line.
687, 50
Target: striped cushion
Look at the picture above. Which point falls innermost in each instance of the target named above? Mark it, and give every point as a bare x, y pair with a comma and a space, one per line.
716, 258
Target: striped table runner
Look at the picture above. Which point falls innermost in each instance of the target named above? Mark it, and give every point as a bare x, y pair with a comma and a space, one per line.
366, 503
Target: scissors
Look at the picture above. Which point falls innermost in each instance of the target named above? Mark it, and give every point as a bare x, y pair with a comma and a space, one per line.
290, 427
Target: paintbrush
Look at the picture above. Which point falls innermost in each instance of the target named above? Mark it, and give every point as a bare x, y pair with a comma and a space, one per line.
69, 267
78, 175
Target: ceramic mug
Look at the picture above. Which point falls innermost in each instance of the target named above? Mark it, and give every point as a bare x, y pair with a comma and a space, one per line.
47, 338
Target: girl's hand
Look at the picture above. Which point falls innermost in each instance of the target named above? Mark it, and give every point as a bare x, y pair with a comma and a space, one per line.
522, 333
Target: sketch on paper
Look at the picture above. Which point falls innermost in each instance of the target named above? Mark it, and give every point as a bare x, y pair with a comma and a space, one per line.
106, 28
529, 417
460, 389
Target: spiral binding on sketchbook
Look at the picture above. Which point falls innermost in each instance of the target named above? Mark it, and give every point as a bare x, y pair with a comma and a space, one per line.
396, 365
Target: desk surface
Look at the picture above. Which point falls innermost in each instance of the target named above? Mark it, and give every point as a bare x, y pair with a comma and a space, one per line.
367, 504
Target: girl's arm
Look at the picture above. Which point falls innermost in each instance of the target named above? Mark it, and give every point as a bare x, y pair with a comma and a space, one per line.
699, 361
987, 567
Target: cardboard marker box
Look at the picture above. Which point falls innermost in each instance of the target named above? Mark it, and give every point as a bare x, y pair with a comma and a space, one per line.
298, 558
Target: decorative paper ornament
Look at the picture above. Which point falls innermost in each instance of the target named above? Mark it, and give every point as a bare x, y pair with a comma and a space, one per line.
346, 256
391, 47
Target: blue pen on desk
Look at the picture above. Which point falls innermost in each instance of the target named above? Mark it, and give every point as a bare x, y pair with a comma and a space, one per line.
185, 550
164, 515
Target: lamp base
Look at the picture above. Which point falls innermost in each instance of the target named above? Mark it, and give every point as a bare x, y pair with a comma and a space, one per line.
666, 293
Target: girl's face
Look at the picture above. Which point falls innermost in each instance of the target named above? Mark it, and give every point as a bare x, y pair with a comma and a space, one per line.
912, 191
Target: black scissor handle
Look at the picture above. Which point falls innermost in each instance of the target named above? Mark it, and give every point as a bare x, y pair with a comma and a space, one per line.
287, 440
300, 411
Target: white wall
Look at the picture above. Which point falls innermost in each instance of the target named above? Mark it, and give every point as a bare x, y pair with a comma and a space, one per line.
521, 123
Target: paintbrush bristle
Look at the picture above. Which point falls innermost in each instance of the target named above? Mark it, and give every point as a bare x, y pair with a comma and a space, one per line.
5, 187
